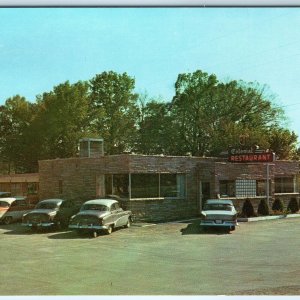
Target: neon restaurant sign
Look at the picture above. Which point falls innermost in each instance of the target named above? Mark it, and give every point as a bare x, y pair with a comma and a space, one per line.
246, 156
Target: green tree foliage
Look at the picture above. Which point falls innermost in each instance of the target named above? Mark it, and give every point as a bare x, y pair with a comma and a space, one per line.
15, 118
248, 210
156, 134
61, 120
205, 117
263, 208
277, 205
212, 115
293, 205
113, 110
283, 143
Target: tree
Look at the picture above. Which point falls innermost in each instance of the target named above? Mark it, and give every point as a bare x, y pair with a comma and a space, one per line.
113, 110
15, 117
283, 143
156, 132
62, 119
212, 115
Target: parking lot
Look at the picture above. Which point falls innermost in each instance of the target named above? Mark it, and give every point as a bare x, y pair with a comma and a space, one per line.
259, 258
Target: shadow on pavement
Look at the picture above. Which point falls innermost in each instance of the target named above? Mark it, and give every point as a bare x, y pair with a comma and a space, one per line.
195, 228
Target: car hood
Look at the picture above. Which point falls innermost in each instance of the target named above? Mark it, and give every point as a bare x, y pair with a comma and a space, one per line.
94, 213
218, 212
42, 211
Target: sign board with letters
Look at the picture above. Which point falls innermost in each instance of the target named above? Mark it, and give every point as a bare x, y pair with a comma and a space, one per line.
248, 156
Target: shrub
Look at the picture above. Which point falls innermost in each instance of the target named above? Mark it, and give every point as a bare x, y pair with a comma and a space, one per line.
263, 208
277, 205
248, 210
293, 205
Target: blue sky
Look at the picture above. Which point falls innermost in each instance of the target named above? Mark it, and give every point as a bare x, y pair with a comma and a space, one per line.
43, 47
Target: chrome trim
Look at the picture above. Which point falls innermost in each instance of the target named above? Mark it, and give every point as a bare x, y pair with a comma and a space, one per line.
77, 226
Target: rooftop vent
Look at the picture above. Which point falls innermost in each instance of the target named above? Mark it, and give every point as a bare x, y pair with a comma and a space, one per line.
89, 147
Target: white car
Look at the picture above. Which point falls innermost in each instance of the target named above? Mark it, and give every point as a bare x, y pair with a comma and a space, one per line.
12, 209
219, 213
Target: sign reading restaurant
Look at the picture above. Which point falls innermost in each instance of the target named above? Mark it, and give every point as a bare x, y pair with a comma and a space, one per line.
246, 156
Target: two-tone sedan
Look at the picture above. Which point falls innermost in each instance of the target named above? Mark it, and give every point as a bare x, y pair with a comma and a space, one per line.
50, 213
100, 215
219, 213
13, 208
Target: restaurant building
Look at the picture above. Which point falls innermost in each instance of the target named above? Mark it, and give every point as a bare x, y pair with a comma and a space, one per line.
161, 188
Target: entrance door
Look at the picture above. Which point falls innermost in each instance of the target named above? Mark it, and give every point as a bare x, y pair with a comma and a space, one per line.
204, 192
100, 186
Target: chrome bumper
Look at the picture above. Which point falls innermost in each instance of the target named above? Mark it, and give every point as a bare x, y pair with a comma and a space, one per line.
87, 227
218, 223
49, 224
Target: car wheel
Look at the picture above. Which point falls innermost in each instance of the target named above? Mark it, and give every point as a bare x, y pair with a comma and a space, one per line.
95, 234
7, 220
109, 229
128, 224
232, 228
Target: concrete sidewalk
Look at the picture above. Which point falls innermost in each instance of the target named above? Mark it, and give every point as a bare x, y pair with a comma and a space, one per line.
252, 219
265, 218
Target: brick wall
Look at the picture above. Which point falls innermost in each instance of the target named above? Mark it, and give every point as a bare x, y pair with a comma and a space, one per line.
77, 178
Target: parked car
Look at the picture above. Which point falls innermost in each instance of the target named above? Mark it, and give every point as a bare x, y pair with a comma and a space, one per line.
219, 213
50, 213
100, 215
5, 194
12, 209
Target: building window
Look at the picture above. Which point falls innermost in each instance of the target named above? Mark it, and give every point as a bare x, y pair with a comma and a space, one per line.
172, 185
146, 185
284, 185
227, 188
32, 188
16, 189
117, 184
245, 188
261, 187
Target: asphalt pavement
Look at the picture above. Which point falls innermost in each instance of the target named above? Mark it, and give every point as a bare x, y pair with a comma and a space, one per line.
258, 258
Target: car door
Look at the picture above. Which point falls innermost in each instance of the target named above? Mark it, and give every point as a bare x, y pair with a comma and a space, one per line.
121, 216
17, 209
66, 210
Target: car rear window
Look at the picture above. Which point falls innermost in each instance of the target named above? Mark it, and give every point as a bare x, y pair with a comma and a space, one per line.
94, 207
217, 207
47, 205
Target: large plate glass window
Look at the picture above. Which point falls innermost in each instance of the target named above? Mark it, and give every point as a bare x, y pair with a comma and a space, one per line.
227, 188
284, 185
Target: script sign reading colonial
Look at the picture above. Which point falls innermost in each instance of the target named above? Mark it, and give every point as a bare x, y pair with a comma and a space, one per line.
245, 156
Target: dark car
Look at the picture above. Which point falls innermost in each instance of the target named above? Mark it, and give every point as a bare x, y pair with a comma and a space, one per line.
50, 213
100, 215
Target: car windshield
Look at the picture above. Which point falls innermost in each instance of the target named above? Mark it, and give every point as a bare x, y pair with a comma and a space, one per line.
47, 205
94, 207
217, 207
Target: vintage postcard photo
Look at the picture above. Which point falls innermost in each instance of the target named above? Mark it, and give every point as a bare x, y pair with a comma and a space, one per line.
149, 151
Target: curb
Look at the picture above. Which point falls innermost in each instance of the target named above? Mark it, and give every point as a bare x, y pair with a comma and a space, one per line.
255, 219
